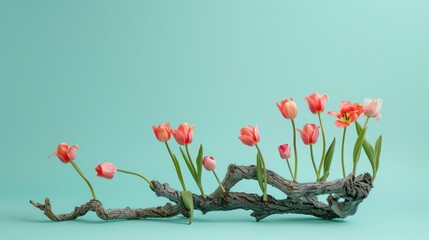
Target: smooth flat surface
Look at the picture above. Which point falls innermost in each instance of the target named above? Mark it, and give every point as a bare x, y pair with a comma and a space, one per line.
100, 73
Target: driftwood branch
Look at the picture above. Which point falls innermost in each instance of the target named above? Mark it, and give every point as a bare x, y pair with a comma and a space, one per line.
345, 195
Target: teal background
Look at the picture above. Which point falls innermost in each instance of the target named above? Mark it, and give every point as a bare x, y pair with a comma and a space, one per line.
100, 73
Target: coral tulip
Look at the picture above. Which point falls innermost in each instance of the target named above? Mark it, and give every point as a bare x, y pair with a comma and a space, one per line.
316, 102
288, 108
162, 132
249, 135
284, 151
309, 134
106, 170
373, 107
209, 163
65, 153
183, 134
348, 113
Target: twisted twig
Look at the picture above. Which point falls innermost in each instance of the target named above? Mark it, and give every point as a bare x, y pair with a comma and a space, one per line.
301, 199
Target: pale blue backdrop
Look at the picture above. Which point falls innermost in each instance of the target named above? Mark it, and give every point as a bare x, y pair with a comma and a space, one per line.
100, 73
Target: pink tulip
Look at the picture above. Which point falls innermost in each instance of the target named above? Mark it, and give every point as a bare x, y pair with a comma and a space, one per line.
209, 163
309, 133
162, 132
288, 108
284, 151
183, 134
373, 107
249, 135
316, 102
65, 153
106, 170
348, 113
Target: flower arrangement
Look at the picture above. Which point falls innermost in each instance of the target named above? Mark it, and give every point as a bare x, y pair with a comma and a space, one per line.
344, 194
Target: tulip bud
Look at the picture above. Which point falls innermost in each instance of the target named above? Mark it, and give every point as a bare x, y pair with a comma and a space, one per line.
284, 151
309, 134
106, 170
209, 163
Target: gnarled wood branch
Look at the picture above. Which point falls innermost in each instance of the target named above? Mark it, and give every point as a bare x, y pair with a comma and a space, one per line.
345, 195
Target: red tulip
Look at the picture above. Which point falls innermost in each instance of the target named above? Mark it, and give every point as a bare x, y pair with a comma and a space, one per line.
106, 170
209, 163
183, 134
373, 107
162, 132
249, 135
348, 113
284, 151
65, 153
309, 133
288, 108
316, 102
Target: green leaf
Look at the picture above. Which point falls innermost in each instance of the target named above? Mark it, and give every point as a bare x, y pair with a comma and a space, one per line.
177, 167
199, 163
189, 203
358, 127
188, 163
369, 149
328, 159
259, 171
325, 176
358, 146
378, 145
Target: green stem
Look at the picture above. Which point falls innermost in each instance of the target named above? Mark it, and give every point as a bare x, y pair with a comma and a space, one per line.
139, 175
366, 123
264, 197
84, 178
314, 164
342, 153
322, 160
290, 169
294, 176
177, 166
220, 184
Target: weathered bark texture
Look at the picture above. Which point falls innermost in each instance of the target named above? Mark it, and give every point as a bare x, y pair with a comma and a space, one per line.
345, 195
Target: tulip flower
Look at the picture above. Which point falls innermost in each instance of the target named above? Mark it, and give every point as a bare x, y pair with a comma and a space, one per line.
249, 135
348, 113
209, 164
106, 170
162, 132
373, 107
288, 108
284, 151
309, 135
67, 154
183, 134
316, 102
